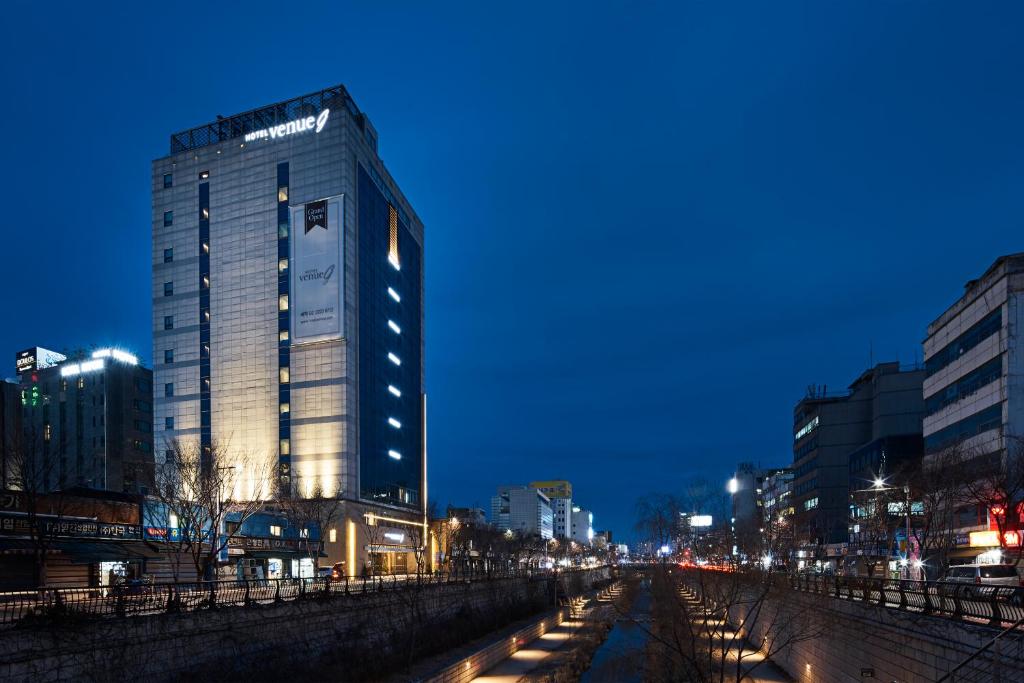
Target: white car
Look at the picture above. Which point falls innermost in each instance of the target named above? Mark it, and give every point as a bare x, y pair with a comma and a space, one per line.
985, 575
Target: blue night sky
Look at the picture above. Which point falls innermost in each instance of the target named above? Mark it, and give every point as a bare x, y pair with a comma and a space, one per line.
648, 229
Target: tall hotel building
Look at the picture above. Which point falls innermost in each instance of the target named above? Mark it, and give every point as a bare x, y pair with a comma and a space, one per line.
288, 314
974, 390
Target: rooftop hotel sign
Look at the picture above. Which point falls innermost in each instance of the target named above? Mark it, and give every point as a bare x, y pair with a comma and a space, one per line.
309, 123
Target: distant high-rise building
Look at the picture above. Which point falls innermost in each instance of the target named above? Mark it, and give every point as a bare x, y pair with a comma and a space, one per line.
522, 509
288, 313
559, 492
582, 525
88, 421
745, 491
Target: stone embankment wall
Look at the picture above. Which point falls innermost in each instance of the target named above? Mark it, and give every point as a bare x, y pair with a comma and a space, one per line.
842, 641
356, 637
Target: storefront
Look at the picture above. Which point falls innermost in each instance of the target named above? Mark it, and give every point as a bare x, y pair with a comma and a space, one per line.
392, 552
257, 558
75, 552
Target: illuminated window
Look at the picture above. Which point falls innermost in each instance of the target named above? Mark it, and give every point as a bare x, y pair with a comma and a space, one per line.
283, 376
206, 350
275, 530
81, 383
206, 315
304, 533
285, 407
204, 213
206, 282
393, 237
282, 194
286, 447
168, 322
46, 432
282, 231
394, 295
172, 520
168, 218
282, 335
282, 265
206, 248
394, 327
333, 535
394, 423
203, 175
168, 180
168, 255
168, 288
282, 302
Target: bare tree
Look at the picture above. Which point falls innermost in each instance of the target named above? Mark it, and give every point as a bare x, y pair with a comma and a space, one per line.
32, 473
204, 492
307, 506
657, 519
374, 534
997, 484
939, 487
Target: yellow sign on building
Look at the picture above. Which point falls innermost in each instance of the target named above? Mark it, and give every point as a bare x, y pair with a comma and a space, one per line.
556, 488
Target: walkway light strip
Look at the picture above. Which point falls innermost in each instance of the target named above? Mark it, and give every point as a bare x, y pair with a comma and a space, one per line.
395, 454
394, 327
394, 390
394, 295
394, 359
394, 423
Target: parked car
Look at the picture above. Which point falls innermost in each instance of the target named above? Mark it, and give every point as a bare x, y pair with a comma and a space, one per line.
984, 577
324, 572
338, 571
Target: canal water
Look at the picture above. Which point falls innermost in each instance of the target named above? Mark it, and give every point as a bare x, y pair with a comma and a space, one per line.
620, 659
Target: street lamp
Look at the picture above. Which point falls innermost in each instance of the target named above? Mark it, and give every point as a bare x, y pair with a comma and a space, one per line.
878, 486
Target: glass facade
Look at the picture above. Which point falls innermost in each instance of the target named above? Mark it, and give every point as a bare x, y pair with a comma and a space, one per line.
205, 423
283, 345
977, 333
982, 421
965, 386
390, 347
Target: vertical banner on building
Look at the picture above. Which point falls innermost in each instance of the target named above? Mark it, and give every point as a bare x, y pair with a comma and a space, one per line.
317, 268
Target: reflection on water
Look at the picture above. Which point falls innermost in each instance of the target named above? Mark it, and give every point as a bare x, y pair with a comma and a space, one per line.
620, 659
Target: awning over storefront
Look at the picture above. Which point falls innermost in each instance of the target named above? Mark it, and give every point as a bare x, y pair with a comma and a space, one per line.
106, 551
84, 552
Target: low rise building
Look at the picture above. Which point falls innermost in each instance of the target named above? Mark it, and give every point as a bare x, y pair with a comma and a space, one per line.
522, 509
87, 421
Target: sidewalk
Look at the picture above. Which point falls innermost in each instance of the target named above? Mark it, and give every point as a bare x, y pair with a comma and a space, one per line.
530, 656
